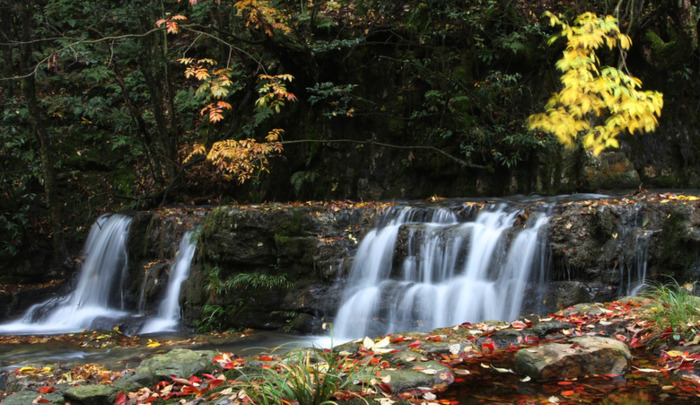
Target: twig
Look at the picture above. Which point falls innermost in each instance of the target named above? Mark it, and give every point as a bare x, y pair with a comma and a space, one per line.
462, 162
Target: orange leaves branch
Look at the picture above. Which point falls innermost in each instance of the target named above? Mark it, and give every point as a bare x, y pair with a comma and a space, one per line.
243, 159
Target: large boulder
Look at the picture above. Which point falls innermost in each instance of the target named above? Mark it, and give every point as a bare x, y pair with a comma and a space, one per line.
583, 356
91, 395
182, 363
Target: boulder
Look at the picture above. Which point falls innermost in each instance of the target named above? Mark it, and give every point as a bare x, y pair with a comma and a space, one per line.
28, 397
177, 362
582, 356
91, 395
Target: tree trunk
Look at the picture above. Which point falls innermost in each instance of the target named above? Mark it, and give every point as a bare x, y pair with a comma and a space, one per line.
39, 130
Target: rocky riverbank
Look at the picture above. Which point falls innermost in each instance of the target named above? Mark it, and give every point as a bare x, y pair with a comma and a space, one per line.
589, 352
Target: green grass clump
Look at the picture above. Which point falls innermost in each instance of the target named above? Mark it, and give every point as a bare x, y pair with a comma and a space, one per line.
310, 377
676, 313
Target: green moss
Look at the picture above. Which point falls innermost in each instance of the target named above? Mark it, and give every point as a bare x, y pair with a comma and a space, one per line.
677, 256
289, 225
280, 240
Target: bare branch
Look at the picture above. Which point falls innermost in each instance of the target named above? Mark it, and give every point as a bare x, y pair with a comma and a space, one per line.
461, 162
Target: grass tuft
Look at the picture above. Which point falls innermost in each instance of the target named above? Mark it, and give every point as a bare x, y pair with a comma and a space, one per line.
676, 313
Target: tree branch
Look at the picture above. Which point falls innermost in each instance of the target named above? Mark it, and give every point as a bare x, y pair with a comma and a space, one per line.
461, 162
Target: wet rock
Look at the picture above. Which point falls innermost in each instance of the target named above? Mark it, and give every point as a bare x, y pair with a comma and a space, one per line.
542, 329
91, 395
29, 397
610, 170
582, 356
178, 362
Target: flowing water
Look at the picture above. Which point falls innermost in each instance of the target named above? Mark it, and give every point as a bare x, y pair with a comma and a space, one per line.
168, 318
98, 299
452, 271
98, 295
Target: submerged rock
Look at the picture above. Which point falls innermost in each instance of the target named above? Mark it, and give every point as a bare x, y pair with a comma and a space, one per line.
583, 356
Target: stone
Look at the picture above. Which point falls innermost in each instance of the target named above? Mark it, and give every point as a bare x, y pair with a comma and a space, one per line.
610, 170
178, 362
416, 374
582, 356
28, 397
91, 395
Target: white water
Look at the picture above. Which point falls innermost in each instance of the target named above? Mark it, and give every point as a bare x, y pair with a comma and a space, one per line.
94, 298
169, 312
452, 273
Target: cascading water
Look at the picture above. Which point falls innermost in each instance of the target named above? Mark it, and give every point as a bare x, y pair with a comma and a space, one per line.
98, 299
169, 312
452, 272
94, 297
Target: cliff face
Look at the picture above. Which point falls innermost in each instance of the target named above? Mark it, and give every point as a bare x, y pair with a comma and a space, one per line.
290, 263
285, 266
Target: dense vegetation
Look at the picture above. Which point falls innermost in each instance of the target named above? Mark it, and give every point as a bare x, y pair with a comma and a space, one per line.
109, 105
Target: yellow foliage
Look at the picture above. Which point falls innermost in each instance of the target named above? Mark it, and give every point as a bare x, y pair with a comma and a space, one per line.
589, 94
260, 14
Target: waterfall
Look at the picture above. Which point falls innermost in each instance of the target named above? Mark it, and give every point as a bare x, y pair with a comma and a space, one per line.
452, 272
94, 297
169, 312
98, 298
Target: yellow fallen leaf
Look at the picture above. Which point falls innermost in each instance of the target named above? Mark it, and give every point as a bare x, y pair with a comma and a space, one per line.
675, 353
152, 343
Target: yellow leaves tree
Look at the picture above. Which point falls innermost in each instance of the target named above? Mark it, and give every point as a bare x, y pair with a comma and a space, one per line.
595, 104
239, 160
260, 14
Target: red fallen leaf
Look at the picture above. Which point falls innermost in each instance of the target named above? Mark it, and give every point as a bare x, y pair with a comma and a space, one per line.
635, 343
46, 390
374, 361
398, 339
532, 340
195, 379
415, 344
564, 383
265, 358
489, 344
190, 389
214, 383
435, 338
384, 364
568, 393
121, 399
162, 385
209, 376
518, 325
385, 387
41, 400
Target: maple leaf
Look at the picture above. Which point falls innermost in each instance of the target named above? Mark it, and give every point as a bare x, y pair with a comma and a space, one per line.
171, 27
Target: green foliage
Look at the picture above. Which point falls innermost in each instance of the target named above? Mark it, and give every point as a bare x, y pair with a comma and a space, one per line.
214, 318
590, 91
300, 178
258, 281
335, 98
308, 377
244, 281
676, 313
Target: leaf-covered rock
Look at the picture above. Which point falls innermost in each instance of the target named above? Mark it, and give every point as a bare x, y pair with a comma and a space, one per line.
580, 357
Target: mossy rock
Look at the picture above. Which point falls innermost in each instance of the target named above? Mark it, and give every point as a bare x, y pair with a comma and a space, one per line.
28, 397
91, 395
